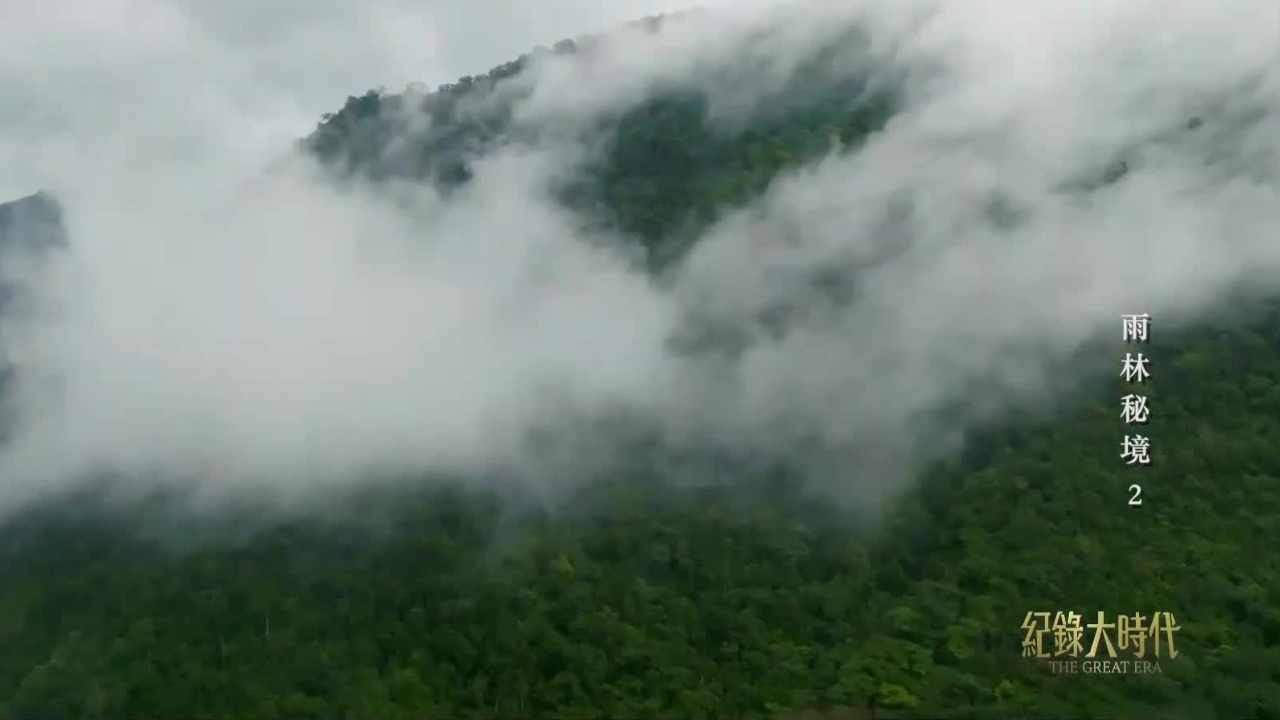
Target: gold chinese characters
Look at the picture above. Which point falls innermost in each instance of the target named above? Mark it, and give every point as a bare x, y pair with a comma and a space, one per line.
1125, 643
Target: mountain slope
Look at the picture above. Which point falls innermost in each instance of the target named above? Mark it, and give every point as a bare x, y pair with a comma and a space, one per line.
645, 597
663, 168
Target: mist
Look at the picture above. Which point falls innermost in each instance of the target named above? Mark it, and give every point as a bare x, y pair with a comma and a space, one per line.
228, 322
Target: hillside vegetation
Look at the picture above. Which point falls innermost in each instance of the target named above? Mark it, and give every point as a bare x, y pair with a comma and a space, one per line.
645, 597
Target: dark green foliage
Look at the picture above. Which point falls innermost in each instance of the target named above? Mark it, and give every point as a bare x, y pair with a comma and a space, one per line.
669, 170
642, 600
645, 598
663, 171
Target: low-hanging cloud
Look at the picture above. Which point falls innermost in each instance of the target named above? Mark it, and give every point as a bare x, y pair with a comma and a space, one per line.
221, 327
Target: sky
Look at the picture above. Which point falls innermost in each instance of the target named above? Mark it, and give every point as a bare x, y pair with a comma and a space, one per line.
244, 333
253, 74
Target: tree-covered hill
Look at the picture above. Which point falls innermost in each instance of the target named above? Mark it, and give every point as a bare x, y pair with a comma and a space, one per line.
664, 167
643, 596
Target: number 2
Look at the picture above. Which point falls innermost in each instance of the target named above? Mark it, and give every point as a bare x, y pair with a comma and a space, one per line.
1136, 500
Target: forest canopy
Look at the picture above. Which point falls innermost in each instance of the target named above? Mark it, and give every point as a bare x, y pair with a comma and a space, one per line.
671, 586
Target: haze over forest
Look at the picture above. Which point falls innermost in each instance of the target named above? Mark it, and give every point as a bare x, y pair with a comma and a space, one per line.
873, 253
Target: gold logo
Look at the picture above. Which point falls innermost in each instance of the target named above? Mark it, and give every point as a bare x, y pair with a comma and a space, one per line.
1126, 644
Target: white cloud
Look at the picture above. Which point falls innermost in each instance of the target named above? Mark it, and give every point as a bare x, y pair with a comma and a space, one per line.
220, 326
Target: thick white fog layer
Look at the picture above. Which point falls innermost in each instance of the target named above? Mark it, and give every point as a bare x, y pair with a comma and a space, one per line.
237, 330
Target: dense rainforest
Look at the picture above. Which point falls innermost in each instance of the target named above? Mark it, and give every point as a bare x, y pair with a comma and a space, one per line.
642, 596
